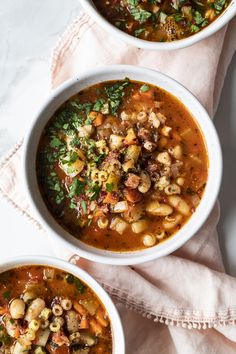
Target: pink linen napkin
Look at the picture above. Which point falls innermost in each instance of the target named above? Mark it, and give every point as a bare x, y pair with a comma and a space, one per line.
183, 303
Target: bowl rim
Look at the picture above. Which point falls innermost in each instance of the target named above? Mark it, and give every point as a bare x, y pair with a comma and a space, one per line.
213, 27
118, 338
172, 243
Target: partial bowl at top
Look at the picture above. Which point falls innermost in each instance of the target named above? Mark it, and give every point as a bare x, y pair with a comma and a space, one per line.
122, 164
161, 25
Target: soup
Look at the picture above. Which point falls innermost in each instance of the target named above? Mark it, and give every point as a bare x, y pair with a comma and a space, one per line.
161, 20
122, 165
46, 310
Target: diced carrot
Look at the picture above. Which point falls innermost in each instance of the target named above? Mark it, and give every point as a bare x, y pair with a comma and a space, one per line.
84, 323
132, 195
111, 198
101, 317
147, 95
3, 310
63, 349
95, 327
130, 138
98, 118
80, 309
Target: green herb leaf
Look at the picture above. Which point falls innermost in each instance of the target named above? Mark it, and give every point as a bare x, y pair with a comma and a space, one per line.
6, 294
144, 88
109, 187
76, 188
79, 286
84, 206
55, 142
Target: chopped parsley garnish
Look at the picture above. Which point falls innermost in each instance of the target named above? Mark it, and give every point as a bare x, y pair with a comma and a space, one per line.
76, 188
218, 5
139, 31
115, 93
109, 187
137, 12
79, 286
144, 88
7, 295
71, 279
94, 191
84, 206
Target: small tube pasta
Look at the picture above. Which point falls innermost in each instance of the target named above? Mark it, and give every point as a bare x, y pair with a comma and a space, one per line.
103, 222
95, 175
45, 314
57, 310
179, 204
66, 304
128, 165
102, 176
54, 327
142, 117
172, 189
170, 222
34, 325
113, 180
133, 152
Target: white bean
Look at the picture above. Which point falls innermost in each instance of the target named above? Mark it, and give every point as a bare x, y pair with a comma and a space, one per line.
179, 204
34, 309
145, 182
17, 308
158, 209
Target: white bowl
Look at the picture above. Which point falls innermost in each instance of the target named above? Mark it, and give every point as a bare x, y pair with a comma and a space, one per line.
222, 20
85, 80
116, 326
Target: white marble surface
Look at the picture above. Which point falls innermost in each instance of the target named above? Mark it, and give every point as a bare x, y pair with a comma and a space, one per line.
29, 29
